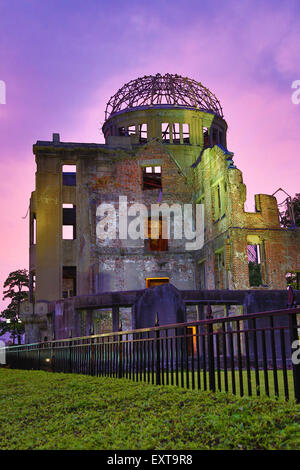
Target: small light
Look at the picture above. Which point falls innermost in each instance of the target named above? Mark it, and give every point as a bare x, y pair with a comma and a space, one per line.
47, 359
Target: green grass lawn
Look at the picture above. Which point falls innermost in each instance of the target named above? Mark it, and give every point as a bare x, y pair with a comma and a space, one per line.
41, 410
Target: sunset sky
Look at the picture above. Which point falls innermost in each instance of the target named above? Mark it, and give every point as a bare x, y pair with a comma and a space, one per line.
61, 60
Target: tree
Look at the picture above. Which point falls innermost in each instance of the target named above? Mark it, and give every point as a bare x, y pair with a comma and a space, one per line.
286, 219
14, 287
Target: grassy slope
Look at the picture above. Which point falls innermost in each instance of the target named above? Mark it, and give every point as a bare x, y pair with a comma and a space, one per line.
41, 410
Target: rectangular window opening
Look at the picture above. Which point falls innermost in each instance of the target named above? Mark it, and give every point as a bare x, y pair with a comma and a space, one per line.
69, 281
254, 264
32, 282
33, 230
155, 240
293, 279
143, 133
102, 321
156, 281
68, 232
165, 132
186, 133
205, 137
176, 133
131, 130
69, 222
152, 177
69, 175
217, 203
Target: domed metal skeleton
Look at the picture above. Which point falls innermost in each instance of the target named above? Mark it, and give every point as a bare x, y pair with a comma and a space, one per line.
167, 89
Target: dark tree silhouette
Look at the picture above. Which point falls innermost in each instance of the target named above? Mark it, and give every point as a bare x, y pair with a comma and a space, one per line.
14, 287
286, 216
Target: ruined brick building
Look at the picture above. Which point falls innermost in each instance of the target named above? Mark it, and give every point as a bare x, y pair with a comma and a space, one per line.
165, 141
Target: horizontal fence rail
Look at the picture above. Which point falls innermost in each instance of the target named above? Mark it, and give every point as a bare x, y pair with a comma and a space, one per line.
253, 354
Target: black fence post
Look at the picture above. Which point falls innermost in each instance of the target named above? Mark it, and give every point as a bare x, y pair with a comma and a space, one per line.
210, 351
157, 343
120, 355
91, 353
295, 343
52, 357
39, 356
70, 352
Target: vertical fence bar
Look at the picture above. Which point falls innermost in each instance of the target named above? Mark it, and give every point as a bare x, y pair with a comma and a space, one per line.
141, 356
274, 359
203, 337
210, 351
192, 359
167, 357
240, 358
120, 355
186, 349
137, 346
105, 364
265, 363
152, 360
181, 360
52, 356
248, 363
144, 358
172, 358
198, 357
176, 356
162, 359
256, 358
126, 355
130, 347
225, 356
70, 352
231, 348
39, 357
133, 356
148, 355
284, 368
217, 339
157, 344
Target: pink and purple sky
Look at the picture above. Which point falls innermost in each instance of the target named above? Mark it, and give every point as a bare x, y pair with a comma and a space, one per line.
61, 61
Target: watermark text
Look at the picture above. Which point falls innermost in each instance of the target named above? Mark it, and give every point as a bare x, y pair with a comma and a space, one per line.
296, 94
2, 92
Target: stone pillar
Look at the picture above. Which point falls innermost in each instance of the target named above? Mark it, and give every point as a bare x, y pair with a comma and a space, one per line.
164, 300
115, 318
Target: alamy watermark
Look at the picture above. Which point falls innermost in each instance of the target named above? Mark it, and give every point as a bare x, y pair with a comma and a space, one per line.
296, 94
296, 354
135, 222
2, 92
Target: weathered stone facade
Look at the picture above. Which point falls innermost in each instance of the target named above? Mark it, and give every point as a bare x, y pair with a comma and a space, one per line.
188, 145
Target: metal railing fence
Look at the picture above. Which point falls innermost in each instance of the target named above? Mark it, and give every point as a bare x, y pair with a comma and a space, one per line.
252, 354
